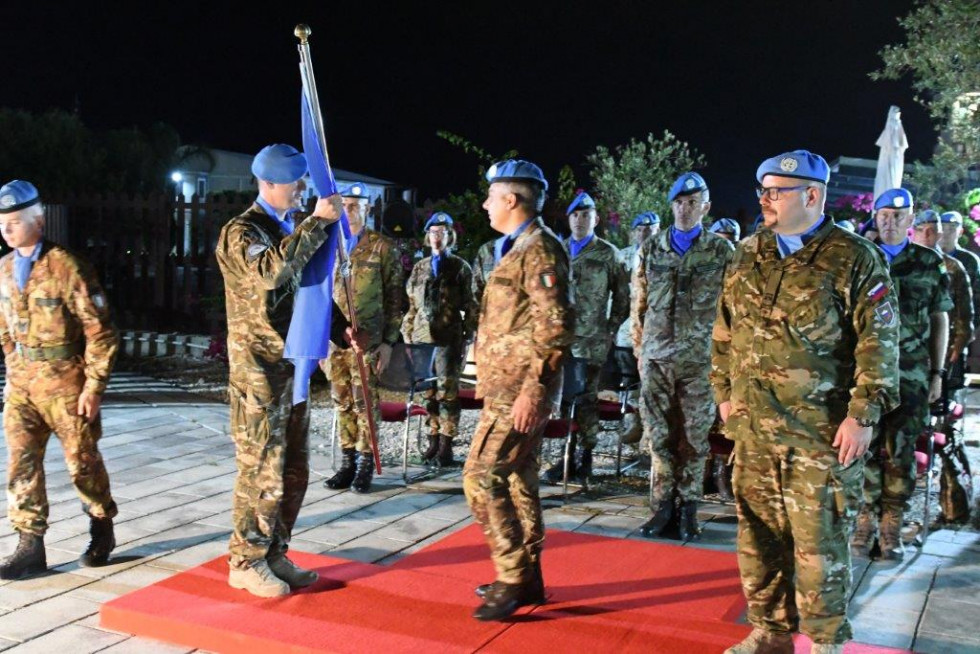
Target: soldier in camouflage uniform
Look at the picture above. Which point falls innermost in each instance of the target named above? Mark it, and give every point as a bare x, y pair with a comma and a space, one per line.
676, 281
59, 345
600, 290
644, 226
526, 327
261, 255
441, 311
804, 362
949, 241
376, 276
727, 228
483, 265
922, 285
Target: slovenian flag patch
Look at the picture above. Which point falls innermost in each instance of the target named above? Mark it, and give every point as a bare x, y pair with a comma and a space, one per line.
879, 291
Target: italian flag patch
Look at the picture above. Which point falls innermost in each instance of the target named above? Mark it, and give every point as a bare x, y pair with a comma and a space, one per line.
549, 279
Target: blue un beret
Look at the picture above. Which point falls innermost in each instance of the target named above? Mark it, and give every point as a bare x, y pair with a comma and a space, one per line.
894, 198
647, 219
279, 164
355, 190
726, 225
952, 217
925, 217
516, 169
17, 195
800, 164
687, 184
438, 218
582, 201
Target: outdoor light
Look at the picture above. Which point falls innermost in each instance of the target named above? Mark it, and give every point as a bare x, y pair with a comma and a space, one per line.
177, 177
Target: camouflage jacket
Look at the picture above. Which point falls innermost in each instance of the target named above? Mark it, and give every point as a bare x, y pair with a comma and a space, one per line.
923, 289
483, 265
262, 268
674, 297
526, 320
376, 275
961, 317
971, 263
598, 276
803, 342
627, 256
441, 310
61, 304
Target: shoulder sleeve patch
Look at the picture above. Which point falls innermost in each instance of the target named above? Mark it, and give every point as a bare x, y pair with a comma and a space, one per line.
549, 278
255, 249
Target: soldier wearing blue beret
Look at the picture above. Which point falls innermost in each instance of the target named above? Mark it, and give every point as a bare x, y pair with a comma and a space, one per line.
727, 228
676, 280
949, 241
804, 361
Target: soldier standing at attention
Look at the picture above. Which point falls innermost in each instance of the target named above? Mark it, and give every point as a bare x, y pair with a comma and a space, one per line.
949, 241
376, 276
601, 293
525, 330
443, 312
483, 265
675, 286
261, 254
920, 278
644, 226
804, 362
727, 228
59, 345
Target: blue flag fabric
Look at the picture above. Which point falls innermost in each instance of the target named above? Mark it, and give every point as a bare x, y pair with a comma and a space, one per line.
308, 339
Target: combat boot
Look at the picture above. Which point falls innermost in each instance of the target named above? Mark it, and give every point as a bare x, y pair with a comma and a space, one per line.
661, 516
444, 457
430, 452
291, 573
535, 593
501, 600
761, 641
364, 474
102, 543
27, 560
864, 534
688, 526
890, 534
259, 580
827, 648
583, 465
345, 474
723, 482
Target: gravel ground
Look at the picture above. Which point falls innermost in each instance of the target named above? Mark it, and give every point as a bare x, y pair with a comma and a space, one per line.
209, 378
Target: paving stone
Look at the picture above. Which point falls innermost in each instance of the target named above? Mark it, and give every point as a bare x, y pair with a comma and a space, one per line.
947, 644
190, 557
959, 582
892, 629
145, 646
367, 549
611, 525
411, 528
947, 616
41, 617
113, 586
70, 638
21, 593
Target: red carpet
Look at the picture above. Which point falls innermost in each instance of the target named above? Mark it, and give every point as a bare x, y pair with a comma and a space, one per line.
605, 594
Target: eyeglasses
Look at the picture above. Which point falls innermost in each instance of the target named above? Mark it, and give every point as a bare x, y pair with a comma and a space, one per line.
773, 191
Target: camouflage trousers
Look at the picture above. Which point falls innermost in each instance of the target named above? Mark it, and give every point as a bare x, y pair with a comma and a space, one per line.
272, 453
500, 481
678, 409
442, 400
796, 511
587, 409
27, 425
889, 475
348, 398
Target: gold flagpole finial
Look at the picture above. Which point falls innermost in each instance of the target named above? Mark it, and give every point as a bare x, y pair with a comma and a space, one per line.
302, 33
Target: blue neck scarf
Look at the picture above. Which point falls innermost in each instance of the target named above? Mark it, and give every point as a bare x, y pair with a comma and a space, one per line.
503, 245
681, 241
23, 265
285, 221
576, 246
436, 261
790, 244
892, 251
353, 240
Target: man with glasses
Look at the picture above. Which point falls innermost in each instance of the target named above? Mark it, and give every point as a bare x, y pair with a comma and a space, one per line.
676, 280
804, 362
923, 302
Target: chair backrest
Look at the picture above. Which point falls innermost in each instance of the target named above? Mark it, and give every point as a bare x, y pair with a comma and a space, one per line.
620, 371
573, 379
421, 357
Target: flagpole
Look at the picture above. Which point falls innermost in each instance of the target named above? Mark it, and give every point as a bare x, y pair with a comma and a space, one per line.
302, 33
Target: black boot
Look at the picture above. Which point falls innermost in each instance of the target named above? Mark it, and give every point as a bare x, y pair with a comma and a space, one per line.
723, 482
444, 457
501, 600
432, 450
345, 475
102, 543
661, 516
583, 465
27, 560
364, 474
556, 473
689, 527
535, 594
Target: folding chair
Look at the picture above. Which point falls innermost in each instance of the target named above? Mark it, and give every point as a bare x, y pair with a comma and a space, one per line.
421, 359
620, 373
573, 388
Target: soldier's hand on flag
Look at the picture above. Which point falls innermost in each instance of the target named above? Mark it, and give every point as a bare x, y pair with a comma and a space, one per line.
853, 440
384, 357
358, 340
329, 209
88, 405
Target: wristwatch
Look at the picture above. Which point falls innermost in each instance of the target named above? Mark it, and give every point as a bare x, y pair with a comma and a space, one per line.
937, 372
865, 422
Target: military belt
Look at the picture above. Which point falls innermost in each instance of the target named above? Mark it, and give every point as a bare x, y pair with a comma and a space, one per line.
52, 353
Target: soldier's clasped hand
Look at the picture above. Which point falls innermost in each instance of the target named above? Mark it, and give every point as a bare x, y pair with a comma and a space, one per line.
852, 440
328, 209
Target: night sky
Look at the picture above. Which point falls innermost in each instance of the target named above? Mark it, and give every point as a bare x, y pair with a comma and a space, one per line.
740, 81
